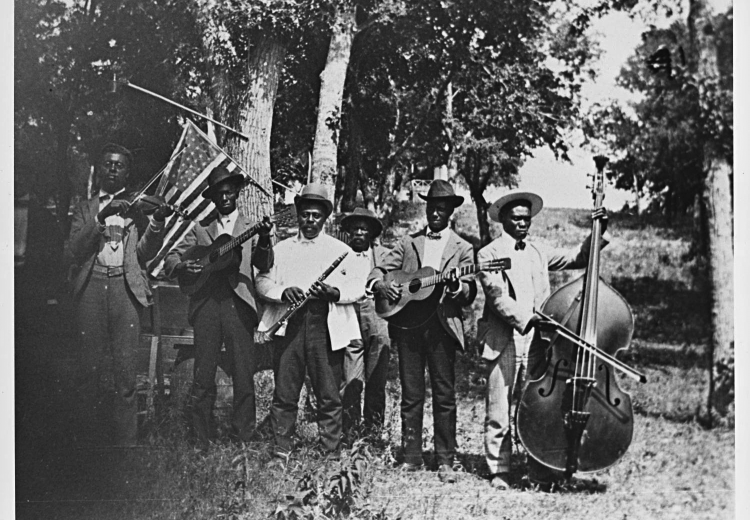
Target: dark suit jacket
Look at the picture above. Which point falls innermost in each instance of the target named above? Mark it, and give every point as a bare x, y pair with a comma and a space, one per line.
242, 281
140, 244
407, 255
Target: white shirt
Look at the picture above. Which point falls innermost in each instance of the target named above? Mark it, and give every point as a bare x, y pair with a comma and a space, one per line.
110, 252
362, 266
298, 262
433, 249
225, 223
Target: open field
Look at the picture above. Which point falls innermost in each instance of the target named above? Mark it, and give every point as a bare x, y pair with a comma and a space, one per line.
675, 467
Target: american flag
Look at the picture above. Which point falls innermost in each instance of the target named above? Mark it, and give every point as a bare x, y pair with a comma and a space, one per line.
185, 179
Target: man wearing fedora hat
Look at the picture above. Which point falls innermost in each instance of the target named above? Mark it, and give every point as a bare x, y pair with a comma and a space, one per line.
435, 342
366, 360
316, 336
503, 331
224, 311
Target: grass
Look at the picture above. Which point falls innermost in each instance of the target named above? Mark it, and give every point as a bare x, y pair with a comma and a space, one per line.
674, 468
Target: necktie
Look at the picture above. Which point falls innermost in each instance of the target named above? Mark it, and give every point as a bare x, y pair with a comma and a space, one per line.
433, 236
520, 245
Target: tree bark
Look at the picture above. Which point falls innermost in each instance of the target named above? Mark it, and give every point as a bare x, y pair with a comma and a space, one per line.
482, 221
354, 168
255, 118
718, 199
328, 125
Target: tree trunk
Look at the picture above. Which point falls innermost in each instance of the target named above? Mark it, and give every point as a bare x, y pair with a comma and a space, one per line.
255, 117
482, 221
718, 198
328, 125
353, 170
367, 196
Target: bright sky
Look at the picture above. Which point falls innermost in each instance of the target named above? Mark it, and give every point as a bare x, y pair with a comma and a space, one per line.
562, 184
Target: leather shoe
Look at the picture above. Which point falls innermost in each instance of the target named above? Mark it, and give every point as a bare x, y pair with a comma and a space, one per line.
500, 481
446, 474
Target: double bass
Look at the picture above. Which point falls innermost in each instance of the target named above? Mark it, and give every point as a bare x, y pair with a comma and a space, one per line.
575, 417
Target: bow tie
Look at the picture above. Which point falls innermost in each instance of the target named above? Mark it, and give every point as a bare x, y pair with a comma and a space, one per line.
361, 253
433, 236
520, 245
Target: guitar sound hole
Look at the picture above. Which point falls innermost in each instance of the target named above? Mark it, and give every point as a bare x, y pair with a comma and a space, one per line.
414, 286
213, 257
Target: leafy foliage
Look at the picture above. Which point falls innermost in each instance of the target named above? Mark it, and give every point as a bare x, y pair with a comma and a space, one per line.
658, 140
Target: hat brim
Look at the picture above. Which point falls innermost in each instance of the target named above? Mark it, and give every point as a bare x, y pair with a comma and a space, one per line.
310, 197
374, 223
456, 200
236, 178
535, 200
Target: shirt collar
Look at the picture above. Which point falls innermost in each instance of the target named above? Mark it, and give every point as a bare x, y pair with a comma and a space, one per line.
443, 233
230, 217
103, 193
302, 240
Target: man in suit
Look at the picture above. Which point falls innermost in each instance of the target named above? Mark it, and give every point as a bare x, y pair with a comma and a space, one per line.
316, 336
366, 360
111, 245
224, 311
433, 343
504, 331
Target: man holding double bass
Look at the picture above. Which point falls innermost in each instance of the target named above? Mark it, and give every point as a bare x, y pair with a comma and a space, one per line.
434, 341
504, 331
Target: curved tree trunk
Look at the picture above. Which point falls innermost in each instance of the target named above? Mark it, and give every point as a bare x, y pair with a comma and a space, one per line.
328, 125
255, 118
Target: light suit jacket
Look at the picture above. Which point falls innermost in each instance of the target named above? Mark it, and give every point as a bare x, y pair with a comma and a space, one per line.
407, 255
242, 281
85, 239
502, 313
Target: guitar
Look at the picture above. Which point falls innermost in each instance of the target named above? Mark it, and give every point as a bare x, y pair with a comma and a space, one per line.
408, 311
223, 252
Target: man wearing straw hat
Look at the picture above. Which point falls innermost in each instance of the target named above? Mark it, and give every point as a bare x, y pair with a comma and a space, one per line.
224, 311
435, 342
317, 334
503, 331
366, 361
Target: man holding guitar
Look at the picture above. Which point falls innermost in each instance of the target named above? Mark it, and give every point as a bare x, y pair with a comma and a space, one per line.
435, 340
223, 310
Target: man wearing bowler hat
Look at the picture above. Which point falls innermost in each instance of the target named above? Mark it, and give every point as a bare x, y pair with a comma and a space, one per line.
224, 311
503, 331
317, 334
366, 360
433, 343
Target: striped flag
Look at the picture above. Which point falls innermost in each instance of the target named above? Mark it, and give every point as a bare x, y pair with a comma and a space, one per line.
192, 161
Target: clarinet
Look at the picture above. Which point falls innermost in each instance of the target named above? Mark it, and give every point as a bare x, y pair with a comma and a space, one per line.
295, 306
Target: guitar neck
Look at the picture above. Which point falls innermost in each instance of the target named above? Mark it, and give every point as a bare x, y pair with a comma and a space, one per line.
438, 278
240, 239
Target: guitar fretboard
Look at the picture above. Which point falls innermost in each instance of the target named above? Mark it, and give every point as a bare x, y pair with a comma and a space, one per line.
463, 271
248, 233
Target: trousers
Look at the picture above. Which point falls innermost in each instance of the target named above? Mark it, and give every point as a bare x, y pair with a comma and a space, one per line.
306, 347
224, 319
108, 319
428, 345
366, 367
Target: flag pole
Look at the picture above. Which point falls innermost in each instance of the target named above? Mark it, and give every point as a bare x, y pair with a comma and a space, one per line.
113, 88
